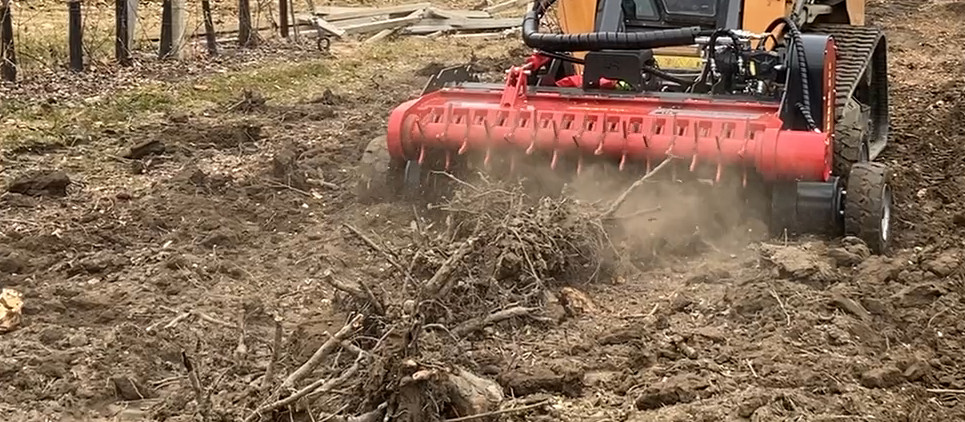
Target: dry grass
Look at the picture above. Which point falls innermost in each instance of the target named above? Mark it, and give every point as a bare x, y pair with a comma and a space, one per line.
351, 70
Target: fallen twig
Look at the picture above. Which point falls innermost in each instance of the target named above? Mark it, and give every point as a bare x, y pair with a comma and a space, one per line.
646, 315
242, 349
376, 303
291, 188
944, 391
176, 320
267, 382
203, 407
372, 416
388, 255
781, 302
364, 293
499, 412
637, 213
317, 387
347, 345
751, 366
324, 350
214, 320
199, 314
608, 214
480, 323
439, 280
458, 180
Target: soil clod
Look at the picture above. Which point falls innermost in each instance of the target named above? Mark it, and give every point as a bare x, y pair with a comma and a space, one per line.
851, 306
542, 379
128, 389
676, 389
884, 377
12, 262
959, 219
51, 183
191, 175
144, 149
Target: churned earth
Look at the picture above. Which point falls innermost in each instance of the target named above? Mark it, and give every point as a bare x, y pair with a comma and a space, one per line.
161, 228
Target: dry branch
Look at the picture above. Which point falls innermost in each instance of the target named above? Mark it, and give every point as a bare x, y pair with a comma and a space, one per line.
317, 387
388, 255
440, 279
203, 406
324, 350
944, 391
499, 249
499, 412
608, 214
480, 323
347, 345
364, 293
267, 382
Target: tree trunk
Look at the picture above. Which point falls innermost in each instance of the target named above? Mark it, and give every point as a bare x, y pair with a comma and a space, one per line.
75, 36
8, 56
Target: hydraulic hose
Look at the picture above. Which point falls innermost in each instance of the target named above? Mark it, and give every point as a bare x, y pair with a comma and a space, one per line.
805, 105
603, 40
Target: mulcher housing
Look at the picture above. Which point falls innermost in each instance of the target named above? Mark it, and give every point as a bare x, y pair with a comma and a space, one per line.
792, 99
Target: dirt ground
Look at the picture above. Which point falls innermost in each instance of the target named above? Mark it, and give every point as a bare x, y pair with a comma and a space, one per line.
229, 214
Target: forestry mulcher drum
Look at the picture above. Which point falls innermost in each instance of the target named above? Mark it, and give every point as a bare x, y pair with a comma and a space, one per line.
786, 99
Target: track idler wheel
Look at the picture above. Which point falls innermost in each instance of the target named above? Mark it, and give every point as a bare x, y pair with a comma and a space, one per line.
380, 178
867, 205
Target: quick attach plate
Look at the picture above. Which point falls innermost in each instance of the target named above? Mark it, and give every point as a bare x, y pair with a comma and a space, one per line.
455, 74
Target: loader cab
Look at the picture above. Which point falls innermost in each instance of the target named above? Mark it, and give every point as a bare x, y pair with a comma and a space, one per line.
652, 15
662, 14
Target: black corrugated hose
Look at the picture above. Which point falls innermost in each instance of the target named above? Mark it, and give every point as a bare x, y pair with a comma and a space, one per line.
805, 105
602, 40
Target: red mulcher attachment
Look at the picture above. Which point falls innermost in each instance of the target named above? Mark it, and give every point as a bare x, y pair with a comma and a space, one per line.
766, 117
624, 128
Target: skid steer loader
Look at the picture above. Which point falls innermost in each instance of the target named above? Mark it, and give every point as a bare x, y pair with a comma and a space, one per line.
787, 97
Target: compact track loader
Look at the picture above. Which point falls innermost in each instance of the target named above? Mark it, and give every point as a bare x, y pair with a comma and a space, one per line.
789, 98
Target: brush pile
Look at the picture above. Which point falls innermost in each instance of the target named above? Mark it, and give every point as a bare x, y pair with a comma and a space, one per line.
494, 260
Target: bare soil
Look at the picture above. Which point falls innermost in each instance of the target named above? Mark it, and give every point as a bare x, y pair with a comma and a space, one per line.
217, 222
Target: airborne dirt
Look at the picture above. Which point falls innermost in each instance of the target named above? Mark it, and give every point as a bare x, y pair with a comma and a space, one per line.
195, 232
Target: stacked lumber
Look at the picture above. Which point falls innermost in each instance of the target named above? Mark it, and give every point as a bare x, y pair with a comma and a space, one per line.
417, 19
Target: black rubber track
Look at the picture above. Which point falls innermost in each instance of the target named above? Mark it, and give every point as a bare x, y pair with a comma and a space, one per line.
868, 193
856, 46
